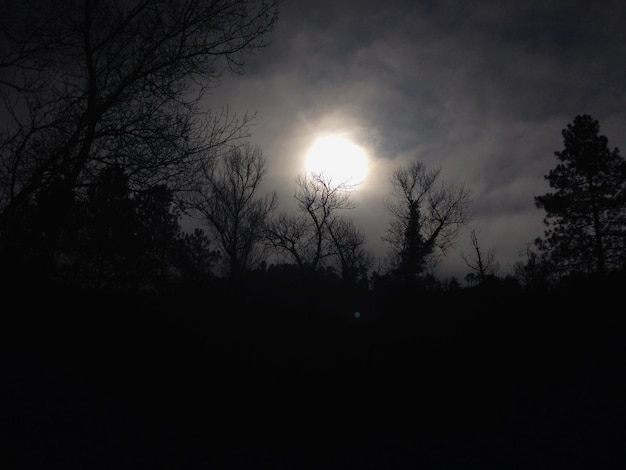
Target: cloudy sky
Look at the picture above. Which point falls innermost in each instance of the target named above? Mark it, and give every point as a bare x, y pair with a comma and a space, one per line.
481, 89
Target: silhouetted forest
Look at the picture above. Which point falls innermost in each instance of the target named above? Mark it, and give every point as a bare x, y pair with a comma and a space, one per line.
308, 376
266, 339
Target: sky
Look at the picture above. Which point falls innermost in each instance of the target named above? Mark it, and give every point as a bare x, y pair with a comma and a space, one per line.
479, 89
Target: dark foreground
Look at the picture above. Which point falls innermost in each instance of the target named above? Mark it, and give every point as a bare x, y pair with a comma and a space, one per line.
157, 387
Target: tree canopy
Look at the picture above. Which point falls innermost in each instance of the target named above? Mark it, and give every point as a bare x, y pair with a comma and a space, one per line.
586, 211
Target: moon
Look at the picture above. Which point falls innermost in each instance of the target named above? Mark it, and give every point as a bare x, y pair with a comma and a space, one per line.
337, 159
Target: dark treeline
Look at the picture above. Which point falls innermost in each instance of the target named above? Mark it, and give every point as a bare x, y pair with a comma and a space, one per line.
280, 373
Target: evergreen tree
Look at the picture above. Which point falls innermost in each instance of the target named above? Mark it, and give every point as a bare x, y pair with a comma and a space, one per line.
108, 231
195, 258
586, 214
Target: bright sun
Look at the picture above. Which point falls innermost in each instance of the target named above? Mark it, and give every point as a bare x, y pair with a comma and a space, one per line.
338, 159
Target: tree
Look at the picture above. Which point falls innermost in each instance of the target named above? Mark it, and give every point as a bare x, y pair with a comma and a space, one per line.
482, 265
586, 213
353, 260
195, 258
118, 238
427, 216
535, 273
158, 232
91, 84
227, 201
316, 235
108, 229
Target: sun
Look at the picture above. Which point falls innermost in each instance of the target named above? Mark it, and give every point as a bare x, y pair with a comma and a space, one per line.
337, 159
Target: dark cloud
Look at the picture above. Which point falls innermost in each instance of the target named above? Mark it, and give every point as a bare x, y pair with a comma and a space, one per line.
481, 89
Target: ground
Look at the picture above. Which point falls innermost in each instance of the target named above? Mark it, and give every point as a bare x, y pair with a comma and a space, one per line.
157, 391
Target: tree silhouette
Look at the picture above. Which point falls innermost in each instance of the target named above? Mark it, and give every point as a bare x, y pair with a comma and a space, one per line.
306, 238
586, 214
110, 227
427, 216
482, 264
117, 238
195, 258
227, 201
534, 273
158, 230
89, 85
353, 260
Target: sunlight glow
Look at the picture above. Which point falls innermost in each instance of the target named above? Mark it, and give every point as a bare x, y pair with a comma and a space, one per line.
338, 159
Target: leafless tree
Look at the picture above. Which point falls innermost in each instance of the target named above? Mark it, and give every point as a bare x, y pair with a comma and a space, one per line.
228, 202
483, 264
427, 216
89, 84
306, 237
353, 259
535, 271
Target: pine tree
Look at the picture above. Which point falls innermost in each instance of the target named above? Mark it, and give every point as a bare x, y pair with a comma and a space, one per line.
586, 214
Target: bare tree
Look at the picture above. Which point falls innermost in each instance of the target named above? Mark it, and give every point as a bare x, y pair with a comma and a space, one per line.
306, 236
536, 271
427, 216
483, 264
90, 84
353, 260
229, 204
